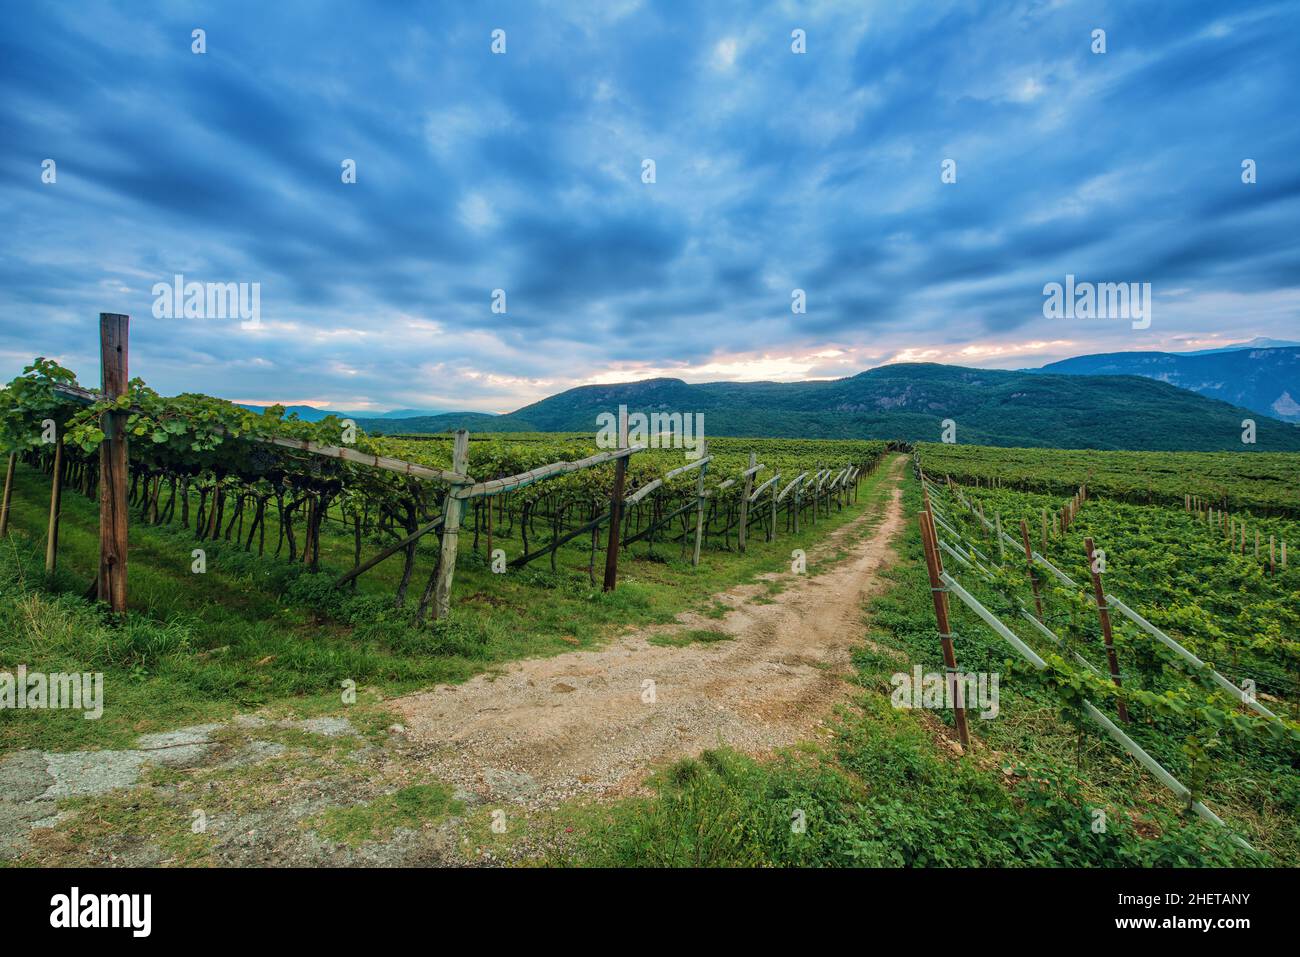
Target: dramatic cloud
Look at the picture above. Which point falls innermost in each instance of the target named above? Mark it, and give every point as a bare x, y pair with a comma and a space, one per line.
523, 172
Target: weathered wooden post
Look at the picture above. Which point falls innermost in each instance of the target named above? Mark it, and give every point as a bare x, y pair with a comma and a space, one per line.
771, 533
1029, 560
939, 592
111, 583
8, 494
699, 505
744, 501
452, 509
56, 500
1103, 614
616, 516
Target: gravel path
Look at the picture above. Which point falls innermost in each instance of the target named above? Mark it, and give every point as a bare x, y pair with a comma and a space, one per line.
595, 722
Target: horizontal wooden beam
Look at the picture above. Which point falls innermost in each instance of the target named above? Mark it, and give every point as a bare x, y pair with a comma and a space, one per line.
512, 482
759, 491
793, 482
705, 460
384, 462
643, 491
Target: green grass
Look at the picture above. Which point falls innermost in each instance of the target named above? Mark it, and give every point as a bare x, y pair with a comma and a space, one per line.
410, 807
260, 632
885, 789
690, 637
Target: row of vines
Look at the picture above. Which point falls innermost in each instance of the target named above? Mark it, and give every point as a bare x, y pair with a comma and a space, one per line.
211, 467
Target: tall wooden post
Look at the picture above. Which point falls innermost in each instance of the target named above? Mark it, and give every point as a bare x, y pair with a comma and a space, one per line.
8, 494
452, 510
699, 505
616, 518
771, 532
934, 565
111, 584
56, 500
744, 502
1029, 560
1103, 614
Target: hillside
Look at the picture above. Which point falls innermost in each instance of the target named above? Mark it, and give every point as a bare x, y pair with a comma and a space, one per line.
447, 421
909, 401
1266, 381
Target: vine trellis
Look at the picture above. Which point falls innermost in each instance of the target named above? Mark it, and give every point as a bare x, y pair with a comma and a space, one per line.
228, 469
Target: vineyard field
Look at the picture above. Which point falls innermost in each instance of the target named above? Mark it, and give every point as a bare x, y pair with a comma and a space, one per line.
1222, 602
1265, 481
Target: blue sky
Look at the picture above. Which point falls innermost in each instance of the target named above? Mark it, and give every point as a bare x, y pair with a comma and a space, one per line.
522, 171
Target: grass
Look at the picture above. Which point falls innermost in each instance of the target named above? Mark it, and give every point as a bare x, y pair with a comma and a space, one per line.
410, 807
887, 789
689, 637
256, 632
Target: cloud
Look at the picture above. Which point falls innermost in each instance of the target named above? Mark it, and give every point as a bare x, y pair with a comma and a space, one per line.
775, 171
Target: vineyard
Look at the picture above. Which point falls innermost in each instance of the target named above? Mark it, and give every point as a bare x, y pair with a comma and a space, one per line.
270, 557
1264, 482
237, 471
1165, 626
1142, 610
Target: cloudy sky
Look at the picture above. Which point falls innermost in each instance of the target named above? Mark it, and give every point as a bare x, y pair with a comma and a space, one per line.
523, 171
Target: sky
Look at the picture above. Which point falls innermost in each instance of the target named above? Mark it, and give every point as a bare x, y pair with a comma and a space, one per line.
524, 171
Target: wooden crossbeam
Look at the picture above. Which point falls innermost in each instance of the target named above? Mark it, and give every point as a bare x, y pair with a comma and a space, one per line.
793, 482
512, 482
384, 462
753, 496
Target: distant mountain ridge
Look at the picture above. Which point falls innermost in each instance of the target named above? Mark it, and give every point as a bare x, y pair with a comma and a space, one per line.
1259, 342
909, 401
310, 413
1265, 381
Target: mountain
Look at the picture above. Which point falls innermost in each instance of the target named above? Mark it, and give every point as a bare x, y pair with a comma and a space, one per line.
910, 401
446, 422
1259, 342
397, 414
309, 413
1266, 381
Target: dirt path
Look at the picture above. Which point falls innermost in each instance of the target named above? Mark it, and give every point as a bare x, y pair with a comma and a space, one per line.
595, 722
546, 729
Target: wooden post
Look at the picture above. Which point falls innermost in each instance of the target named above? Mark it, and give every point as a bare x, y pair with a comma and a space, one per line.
934, 565
699, 505
111, 583
1002, 548
744, 502
771, 534
616, 518
9, 492
452, 509
1103, 614
1029, 560
56, 499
